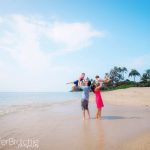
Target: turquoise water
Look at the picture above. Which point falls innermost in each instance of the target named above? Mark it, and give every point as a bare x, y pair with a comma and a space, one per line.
21, 101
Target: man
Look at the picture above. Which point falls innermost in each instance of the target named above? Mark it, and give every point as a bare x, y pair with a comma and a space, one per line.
85, 97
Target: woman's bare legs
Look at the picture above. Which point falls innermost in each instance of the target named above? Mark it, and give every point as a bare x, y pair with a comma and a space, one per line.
98, 114
100, 111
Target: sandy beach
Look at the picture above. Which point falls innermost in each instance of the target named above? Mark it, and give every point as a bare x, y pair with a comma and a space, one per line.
128, 97
125, 125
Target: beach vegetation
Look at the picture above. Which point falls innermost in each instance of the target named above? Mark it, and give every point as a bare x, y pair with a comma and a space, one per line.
134, 73
118, 80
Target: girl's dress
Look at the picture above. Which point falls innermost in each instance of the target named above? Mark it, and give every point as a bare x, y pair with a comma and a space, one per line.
99, 101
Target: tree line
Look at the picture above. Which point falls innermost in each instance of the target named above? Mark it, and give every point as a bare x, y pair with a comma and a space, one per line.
119, 79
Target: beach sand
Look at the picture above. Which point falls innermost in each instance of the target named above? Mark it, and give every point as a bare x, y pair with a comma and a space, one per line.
125, 124
130, 96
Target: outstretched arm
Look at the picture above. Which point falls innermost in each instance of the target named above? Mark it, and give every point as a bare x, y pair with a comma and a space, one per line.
101, 80
105, 80
69, 82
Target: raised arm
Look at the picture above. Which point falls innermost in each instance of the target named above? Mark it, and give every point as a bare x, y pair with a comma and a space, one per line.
101, 80
105, 80
98, 88
80, 83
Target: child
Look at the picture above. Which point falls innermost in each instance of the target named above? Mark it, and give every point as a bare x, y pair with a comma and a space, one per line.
85, 97
98, 80
99, 102
81, 78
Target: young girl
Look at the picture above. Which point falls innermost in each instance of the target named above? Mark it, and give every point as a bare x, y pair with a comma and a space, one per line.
99, 102
106, 79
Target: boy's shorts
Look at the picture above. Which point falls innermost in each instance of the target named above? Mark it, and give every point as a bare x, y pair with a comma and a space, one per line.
76, 83
84, 104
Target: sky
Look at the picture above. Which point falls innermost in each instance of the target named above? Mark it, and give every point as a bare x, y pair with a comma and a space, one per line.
46, 43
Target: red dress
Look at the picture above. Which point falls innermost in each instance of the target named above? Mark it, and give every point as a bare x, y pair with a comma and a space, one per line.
99, 101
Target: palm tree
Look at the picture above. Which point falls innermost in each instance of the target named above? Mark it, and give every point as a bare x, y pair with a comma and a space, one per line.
134, 73
146, 76
148, 73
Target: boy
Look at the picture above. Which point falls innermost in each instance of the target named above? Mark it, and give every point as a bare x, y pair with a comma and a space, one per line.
76, 82
85, 97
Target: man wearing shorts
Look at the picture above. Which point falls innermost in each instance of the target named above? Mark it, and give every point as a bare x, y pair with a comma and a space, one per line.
85, 97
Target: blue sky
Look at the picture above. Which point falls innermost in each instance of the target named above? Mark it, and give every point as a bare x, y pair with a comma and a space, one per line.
44, 44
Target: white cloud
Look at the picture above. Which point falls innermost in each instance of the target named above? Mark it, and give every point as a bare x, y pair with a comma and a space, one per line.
73, 35
22, 43
23, 57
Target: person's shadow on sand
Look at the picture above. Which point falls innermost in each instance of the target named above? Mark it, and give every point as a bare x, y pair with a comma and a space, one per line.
117, 117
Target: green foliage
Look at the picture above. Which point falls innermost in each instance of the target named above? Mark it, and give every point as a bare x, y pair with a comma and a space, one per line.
124, 86
116, 74
123, 71
148, 72
143, 84
119, 85
134, 73
146, 76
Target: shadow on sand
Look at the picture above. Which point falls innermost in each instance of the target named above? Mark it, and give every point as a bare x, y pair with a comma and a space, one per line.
118, 117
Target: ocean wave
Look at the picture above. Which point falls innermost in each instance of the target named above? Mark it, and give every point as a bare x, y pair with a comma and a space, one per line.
9, 109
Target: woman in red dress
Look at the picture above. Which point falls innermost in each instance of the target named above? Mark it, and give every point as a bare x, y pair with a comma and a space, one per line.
99, 102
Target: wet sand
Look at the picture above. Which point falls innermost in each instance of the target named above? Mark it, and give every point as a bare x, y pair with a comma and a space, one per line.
123, 125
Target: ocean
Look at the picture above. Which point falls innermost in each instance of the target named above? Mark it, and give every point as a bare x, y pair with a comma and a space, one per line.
11, 102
